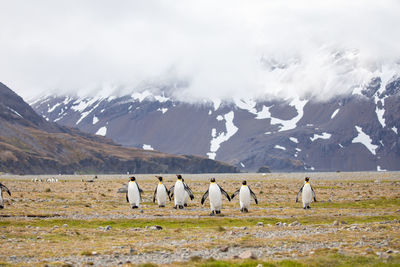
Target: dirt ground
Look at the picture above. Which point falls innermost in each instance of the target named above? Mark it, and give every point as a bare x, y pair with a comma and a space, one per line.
82, 220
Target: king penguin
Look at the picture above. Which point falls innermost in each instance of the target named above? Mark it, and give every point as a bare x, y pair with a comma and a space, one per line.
161, 193
178, 191
308, 194
133, 196
3, 188
245, 194
215, 193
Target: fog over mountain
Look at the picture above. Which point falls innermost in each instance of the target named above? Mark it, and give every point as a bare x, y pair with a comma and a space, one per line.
198, 50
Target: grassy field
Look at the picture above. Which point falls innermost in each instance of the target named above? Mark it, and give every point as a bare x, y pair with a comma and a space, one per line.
75, 222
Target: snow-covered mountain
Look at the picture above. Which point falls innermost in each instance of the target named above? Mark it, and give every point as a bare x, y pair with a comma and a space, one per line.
358, 131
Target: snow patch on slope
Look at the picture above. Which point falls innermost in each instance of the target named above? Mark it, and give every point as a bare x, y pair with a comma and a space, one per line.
294, 140
102, 131
321, 136
264, 113
163, 110
81, 104
147, 147
217, 139
15, 112
379, 114
292, 123
280, 147
95, 120
365, 140
53, 108
335, 113
394, 129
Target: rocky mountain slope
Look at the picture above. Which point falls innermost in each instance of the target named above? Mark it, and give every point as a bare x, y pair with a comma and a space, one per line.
29, 144
354, 132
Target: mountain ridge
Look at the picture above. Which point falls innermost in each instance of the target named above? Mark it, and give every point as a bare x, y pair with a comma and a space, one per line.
30, 144
353, 132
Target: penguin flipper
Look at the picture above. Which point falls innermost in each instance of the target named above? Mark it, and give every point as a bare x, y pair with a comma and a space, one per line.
225, 193
171, 190
235, 193
5, 188
188, 190
168, 192
298, 194
204, 197
127, 198
313, 194
155, 193
253, 195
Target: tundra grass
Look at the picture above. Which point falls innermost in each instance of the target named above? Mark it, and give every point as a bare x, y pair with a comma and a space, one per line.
216, 223
331, 260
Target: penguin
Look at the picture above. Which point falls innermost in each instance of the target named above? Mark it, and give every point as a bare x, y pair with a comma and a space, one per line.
308, 194
179, 190
161, 193
245, 194
215, 193
3, 188
133, 196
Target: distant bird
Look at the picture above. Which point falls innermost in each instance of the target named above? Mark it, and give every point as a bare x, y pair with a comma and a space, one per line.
3, 188
133, 196
215, 193
308, 194
178, 192
245, 194
161, 193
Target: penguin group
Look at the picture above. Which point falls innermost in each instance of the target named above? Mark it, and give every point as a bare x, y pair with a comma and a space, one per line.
181, 193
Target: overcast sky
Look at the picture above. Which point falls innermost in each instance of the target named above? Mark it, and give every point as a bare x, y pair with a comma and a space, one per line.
207, 49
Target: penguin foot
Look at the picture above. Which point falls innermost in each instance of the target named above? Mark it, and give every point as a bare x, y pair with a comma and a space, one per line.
135, 207
212, 213
308, 207
185, 204
180, 207
245, 210
217, 212
1, 207
305, 208
175, 207
161, 206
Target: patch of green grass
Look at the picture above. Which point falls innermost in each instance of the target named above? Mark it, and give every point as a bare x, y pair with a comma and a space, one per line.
211, 223
331, 260
364, 204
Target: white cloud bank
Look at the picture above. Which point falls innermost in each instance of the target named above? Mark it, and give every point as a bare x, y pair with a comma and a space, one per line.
202, 49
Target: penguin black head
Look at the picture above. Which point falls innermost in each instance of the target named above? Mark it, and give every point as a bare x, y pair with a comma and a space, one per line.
132, 178
159, 178
307, 179
244, 182
212, 180
179, 176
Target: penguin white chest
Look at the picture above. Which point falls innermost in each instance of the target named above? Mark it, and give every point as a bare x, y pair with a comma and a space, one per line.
133, 194
244, 197
307, 194
161, 194
214, 193
179, 193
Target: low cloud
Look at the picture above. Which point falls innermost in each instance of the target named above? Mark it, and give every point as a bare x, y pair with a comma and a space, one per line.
198, 49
